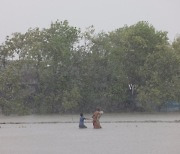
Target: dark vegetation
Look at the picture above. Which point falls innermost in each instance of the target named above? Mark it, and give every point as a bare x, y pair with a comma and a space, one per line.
63, 70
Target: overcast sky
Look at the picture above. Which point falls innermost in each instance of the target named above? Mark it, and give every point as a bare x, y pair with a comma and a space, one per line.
106, 15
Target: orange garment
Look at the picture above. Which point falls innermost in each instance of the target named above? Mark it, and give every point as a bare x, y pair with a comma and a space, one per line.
96, 116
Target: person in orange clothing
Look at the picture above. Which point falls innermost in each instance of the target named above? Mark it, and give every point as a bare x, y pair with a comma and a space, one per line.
96, 116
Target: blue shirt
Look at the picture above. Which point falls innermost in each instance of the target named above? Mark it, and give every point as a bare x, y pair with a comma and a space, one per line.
81, 121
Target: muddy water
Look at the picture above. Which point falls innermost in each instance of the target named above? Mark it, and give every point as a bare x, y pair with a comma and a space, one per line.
121, 134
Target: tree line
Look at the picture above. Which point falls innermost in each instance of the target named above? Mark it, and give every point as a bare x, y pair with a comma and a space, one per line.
61, 69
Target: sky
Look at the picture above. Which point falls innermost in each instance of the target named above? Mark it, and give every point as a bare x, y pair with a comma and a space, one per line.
105, 15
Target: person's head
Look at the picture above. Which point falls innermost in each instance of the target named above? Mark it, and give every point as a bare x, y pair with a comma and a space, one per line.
81, 114
97, 109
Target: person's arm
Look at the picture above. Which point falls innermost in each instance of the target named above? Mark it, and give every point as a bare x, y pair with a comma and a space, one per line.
88, 118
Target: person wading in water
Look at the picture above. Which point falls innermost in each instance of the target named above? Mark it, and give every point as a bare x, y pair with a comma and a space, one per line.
81, 121
96, 116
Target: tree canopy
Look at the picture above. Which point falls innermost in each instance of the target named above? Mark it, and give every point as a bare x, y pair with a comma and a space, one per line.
61, 69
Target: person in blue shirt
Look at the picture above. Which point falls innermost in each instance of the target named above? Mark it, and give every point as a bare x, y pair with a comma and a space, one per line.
81, 121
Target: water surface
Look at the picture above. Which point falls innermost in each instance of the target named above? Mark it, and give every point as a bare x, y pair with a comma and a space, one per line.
121, 134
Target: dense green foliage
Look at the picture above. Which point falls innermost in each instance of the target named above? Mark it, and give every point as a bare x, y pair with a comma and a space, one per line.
63, 70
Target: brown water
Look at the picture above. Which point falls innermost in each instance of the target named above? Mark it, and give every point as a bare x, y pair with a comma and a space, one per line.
121, 134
